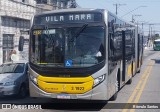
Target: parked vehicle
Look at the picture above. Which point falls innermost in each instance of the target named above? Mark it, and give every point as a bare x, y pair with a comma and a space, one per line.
14, 79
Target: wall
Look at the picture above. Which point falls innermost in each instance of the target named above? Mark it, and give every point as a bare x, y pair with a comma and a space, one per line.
15, 17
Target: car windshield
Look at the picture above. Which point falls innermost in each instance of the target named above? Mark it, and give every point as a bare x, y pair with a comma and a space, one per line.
12, 68
68, 47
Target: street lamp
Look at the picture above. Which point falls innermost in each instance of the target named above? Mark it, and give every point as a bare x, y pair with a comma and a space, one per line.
132, 10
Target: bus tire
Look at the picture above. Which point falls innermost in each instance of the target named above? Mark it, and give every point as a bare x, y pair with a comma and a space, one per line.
129, 81
138, 71
114, 97
22, 91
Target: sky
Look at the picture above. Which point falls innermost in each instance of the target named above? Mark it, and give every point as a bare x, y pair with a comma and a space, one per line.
143, 11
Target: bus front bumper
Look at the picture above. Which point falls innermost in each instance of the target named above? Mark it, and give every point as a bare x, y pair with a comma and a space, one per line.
97, 93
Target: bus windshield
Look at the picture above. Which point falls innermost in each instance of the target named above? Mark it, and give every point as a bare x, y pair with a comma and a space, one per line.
157, 43
68, 47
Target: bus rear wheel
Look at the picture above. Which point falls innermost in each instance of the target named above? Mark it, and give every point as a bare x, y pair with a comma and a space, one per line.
129, 81
114, 97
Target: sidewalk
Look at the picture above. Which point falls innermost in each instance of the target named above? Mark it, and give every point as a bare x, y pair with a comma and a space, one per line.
149, 46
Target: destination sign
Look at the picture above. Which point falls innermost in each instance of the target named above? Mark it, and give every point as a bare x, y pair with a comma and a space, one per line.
68, 18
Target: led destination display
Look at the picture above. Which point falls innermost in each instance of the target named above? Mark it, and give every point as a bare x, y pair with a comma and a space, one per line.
68, 18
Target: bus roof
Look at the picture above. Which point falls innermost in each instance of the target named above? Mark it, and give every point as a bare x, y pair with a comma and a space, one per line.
79, 10
71, 10
157, 40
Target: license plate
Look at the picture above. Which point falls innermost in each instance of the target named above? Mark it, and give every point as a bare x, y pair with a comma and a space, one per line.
63, 96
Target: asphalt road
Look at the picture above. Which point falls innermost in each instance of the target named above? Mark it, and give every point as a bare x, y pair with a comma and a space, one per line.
144, 89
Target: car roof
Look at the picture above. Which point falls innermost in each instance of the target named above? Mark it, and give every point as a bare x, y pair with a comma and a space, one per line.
157, 40
14, 62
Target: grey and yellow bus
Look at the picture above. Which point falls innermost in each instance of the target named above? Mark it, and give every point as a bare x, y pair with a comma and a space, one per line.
156, 45
82, 54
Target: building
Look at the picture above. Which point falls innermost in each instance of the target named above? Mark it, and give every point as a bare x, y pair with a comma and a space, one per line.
15, 16
46, 5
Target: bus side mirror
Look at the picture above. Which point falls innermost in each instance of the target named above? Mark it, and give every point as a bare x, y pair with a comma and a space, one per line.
21, 43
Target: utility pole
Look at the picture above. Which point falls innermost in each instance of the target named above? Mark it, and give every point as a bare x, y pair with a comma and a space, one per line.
142, 25
150, 34
150, 30
73, 4
118, 5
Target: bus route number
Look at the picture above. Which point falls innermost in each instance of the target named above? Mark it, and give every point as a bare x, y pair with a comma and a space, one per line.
78, 88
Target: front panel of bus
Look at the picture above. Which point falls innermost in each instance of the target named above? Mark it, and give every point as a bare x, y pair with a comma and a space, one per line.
156, 45
67, 56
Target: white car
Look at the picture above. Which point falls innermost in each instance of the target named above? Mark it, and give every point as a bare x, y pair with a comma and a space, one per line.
14, 79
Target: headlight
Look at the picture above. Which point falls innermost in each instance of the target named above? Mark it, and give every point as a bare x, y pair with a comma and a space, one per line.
33, 79
10, 83
98, 80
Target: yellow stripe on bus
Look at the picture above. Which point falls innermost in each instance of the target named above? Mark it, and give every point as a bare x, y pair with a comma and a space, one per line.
65, 85
129, 70
65, 79
134, 67
65, 88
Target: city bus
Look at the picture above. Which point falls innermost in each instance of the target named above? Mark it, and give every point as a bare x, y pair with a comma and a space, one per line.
86, 54
156, 45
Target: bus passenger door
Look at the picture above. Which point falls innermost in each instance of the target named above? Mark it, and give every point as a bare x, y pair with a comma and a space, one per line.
123, 56
138, 52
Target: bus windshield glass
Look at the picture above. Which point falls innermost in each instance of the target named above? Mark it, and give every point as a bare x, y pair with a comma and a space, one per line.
68, 47
157, 43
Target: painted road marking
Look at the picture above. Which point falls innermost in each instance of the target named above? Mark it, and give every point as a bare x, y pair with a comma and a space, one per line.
139, 89
143, 85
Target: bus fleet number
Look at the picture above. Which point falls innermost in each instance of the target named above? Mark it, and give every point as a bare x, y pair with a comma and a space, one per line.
77, 88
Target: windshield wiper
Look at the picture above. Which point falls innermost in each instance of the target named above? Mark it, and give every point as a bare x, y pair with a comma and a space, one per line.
8, 72
51, 64
79, 32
